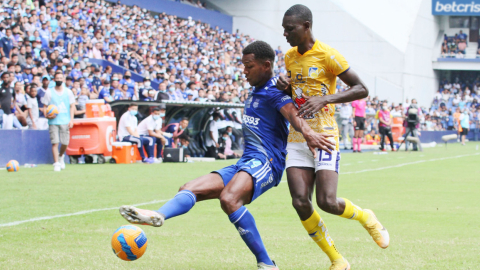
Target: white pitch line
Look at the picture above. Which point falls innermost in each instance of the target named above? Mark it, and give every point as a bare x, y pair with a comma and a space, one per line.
409, 163
159, 201
15, 223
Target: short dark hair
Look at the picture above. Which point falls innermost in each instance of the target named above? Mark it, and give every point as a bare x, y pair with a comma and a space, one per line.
185, 118
184, 137
155, 109
300, 11
261, 50
132, 104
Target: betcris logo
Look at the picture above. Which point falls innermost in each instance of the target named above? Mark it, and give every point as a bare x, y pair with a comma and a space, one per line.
457, 7
250, 120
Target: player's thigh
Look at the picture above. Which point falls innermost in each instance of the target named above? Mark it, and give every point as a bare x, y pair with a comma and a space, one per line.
326, 186
301, 181
300, 170
239, 190
205, 187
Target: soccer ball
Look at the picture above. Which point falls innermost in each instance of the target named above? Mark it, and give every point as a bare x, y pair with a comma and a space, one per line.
129, 242
52, 111
12, 166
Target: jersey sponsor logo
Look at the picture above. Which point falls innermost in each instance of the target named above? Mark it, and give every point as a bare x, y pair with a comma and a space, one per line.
250, 120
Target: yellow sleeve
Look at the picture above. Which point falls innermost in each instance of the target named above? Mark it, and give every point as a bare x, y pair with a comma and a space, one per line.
335, 62
376, 115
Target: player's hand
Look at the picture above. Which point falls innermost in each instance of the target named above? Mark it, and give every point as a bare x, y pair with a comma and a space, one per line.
70, 124
319, 141
312, 105
283, 83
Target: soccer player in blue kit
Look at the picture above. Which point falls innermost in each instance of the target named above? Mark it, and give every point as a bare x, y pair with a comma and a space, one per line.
265, 129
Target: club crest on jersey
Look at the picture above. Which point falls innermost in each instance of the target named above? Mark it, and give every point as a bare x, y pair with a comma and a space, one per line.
255, 104
313, 72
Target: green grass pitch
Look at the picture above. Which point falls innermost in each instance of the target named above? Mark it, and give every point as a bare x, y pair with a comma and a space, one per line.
429, 202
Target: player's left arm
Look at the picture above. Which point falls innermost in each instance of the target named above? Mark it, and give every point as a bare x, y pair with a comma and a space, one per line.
336, 64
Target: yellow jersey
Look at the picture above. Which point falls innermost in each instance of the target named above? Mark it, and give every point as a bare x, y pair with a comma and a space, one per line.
315, 74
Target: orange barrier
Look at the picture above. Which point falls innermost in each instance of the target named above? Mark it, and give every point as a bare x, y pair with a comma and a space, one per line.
123, 152
397, 128
98, 108
92, 136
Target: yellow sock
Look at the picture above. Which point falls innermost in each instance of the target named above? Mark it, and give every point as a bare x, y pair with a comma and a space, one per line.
354, 212
319, 233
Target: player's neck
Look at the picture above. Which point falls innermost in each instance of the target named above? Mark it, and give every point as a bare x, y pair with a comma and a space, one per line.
307, 45
264, 81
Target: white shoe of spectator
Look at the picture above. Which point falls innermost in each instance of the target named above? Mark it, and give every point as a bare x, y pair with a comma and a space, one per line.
158, 160
57, 167
61, 160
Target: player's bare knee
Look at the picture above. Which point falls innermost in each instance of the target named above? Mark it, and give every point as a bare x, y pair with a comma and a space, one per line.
229, 202
328, 205
301, 203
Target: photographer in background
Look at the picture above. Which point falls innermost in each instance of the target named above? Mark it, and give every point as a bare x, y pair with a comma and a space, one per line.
411, 124
385, 125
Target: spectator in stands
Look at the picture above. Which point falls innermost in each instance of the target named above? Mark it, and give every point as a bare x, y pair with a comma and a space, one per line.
7, 99
225, 148
152, 127
128, 132
462, 46
212, 136
184, 142
60, 125
32, 108
6, 43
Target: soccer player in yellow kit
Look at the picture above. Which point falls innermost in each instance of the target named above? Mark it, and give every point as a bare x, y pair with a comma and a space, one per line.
312, 69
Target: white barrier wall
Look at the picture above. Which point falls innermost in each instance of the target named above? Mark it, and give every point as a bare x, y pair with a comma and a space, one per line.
387, 53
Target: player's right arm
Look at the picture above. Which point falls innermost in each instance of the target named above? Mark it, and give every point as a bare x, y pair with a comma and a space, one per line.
314, 140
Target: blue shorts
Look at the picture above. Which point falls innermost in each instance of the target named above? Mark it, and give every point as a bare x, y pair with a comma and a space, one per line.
264, 174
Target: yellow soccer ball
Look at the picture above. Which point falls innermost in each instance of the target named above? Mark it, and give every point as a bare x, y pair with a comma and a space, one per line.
129, 242
52, 111
12, 166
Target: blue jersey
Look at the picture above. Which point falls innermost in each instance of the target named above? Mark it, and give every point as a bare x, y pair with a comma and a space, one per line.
264, 128
265, 132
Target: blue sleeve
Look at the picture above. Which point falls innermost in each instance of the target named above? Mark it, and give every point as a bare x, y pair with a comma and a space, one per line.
278, 98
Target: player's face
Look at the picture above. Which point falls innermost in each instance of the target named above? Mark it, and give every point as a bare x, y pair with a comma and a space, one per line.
294, 30
255, 70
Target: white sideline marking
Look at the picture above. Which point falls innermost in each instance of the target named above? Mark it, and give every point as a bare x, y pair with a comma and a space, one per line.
409, 163
159, 201
15, 223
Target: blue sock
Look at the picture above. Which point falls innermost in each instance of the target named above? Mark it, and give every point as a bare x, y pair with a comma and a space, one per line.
245, 224
179, 205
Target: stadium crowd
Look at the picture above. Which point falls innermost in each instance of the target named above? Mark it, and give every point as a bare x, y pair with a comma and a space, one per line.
452, 99
454, 46
187, 59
